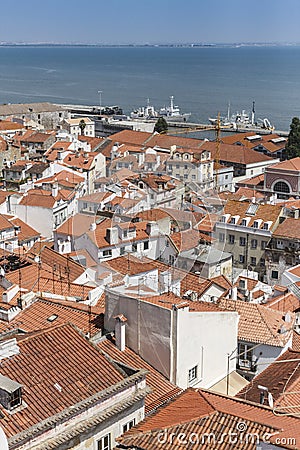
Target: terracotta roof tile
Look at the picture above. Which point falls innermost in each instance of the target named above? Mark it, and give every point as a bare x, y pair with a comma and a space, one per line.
62, 357
162, 390
283, 382
202, 413
260, 324
39, 316
291, 165
289, 229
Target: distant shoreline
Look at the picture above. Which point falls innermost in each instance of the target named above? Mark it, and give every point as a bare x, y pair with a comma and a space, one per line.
184, 45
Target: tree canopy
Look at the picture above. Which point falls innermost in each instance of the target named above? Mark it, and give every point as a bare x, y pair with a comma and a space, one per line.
82, 126
161, 125
293, 144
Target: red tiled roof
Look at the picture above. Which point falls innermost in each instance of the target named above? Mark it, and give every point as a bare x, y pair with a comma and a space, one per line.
185, 240
26, 232
291, 165
236, 153
286, 302
282, 380
76, 225
130, 137
36, 317
289, 229
61, 357
260, 324
200, 413
162, 390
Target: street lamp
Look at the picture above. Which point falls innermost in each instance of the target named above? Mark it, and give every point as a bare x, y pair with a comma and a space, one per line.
100, 100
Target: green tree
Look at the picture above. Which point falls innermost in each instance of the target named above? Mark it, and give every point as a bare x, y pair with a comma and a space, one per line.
293, 144
161, 125
82, 126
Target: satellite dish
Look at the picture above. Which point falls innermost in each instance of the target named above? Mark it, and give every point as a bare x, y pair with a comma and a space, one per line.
270, 400
3, 440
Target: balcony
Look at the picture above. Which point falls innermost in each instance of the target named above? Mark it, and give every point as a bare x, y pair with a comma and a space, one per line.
246, 365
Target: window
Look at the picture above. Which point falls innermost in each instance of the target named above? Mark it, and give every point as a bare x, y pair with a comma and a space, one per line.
253, 243
106, 252
266, 226
193, 374
185, 166
275, 274
185, 176
263, 244
253, 261
134, 247
242, 241
146, 245
244, 223
15, 398
226, 177
242, 259
281, 186
122, 251
128, 425
177, 166
245, 355
104, 443
255, 224
221, 237
232, 220
193, 177
231, 239
125, 233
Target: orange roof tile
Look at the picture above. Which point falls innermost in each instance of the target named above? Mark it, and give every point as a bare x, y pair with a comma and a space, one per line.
200, 413
62, 357
290, 165
162, 390
283, 382
39, 316
260, 324
288, 229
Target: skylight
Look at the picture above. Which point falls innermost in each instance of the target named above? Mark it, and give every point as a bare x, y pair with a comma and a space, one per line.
252, 209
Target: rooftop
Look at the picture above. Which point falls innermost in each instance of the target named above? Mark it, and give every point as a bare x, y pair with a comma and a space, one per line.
58, 368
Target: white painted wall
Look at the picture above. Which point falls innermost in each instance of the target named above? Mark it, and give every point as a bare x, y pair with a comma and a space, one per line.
204, 339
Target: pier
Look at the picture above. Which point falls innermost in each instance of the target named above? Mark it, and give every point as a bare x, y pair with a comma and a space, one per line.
109, 112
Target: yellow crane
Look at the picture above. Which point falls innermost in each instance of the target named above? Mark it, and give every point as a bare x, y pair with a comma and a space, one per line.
217, 128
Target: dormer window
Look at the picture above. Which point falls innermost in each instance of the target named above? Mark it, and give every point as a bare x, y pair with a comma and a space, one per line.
244, 222
10, 393
255, 224
232, 220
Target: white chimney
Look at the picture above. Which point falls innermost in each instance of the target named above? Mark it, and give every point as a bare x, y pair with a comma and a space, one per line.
152, 229
9, 294
120, 332
55, 190
234, 293
93, 226
112, 235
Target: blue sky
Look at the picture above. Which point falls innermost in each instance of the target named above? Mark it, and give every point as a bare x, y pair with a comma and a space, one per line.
150, 21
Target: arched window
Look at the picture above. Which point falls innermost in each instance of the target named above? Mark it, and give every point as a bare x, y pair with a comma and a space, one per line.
281, 186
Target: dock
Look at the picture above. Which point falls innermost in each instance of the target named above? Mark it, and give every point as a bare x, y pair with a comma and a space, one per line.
109, 112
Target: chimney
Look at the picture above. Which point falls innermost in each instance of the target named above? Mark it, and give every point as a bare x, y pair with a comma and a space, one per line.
120, 332
55, 190
152, 229
234, 293
93, 226
9, 294
112, 235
